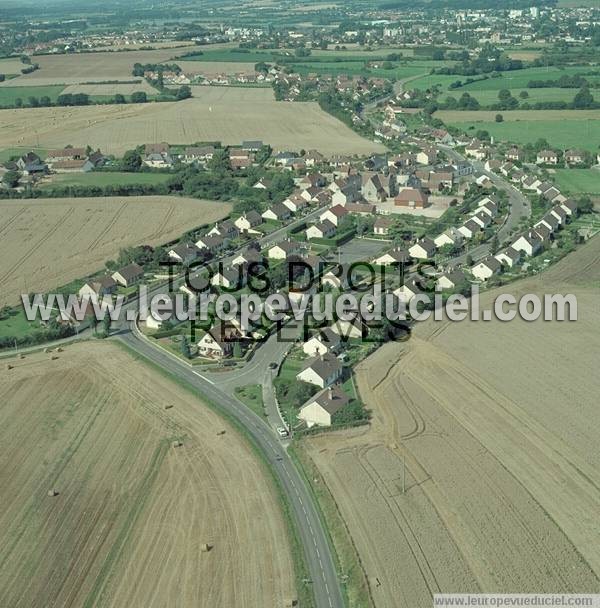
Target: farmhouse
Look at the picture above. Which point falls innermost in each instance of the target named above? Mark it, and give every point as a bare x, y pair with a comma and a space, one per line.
324, 341
323, 230
217, 342
422, 249
320, 409
322, 371
382, 225
360, 208
128, 275
66, 154
31, 164
486, 268
157, 156
509, 256
83, 165
99, 286
412, 198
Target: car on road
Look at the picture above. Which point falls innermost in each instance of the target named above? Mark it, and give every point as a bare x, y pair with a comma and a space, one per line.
282, 431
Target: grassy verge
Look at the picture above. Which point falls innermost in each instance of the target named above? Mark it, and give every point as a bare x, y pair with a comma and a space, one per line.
251, 395
356, 587
303, 591
104, 178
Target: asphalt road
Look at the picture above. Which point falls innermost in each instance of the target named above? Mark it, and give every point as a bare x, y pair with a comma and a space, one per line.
323, 576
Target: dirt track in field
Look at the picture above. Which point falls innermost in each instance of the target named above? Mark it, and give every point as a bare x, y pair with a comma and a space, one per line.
498, 426
45, 243
226, 114
133, 512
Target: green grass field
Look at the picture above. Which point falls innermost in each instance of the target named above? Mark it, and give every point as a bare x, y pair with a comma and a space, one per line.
105, 178
578, 181
17, 325
9, 95
562, 128
489, 97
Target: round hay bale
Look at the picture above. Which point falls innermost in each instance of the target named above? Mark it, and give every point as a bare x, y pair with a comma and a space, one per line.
52, 492
205, 547
177, 443
9, 366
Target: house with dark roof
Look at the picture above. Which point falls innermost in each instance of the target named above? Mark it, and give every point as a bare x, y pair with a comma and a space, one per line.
322, 371
320, 409
128, 275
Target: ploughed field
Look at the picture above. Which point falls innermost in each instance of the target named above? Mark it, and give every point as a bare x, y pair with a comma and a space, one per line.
133, 513
46, 243
498, 425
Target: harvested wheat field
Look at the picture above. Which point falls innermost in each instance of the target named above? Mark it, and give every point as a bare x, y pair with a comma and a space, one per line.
498, 424
77, 68
45, 243
132, 513
227, 114
110, 89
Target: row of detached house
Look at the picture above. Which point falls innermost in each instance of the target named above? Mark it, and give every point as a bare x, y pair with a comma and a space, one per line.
66, 160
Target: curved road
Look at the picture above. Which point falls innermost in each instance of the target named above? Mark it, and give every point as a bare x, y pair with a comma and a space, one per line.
323, 575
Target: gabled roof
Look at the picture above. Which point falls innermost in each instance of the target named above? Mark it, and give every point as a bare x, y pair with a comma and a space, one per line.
324, 366
131, 271
331, 399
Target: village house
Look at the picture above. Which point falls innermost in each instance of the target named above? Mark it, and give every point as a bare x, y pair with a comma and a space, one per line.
31, 164
250, 256
570, 207
100, 286
483, 181
83, 165
197, 154
529, 243
486, 268
423, 249
411, 198
252, 145
264, 183
449, 237
476, 150
547, 157
428, 156
383, 225
184, 253
451, 280
440, 179
248, 221
157, 156
312, 180
323, 342
295, 203
66, 154
128, 275
482, 218
230, 278
334, 214
515, 154
575, 157
217, 342
405, 293
560, 214
470, 228
283, 250
313, 157
320, 409
277, 213
548, 220
509, 256
227, 229
323, 370
394, 256
212, 243
322, 230
377, 187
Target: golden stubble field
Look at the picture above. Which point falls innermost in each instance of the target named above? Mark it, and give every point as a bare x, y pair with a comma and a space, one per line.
498, 424
90, 67
132, 513
45, 243
226, 114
